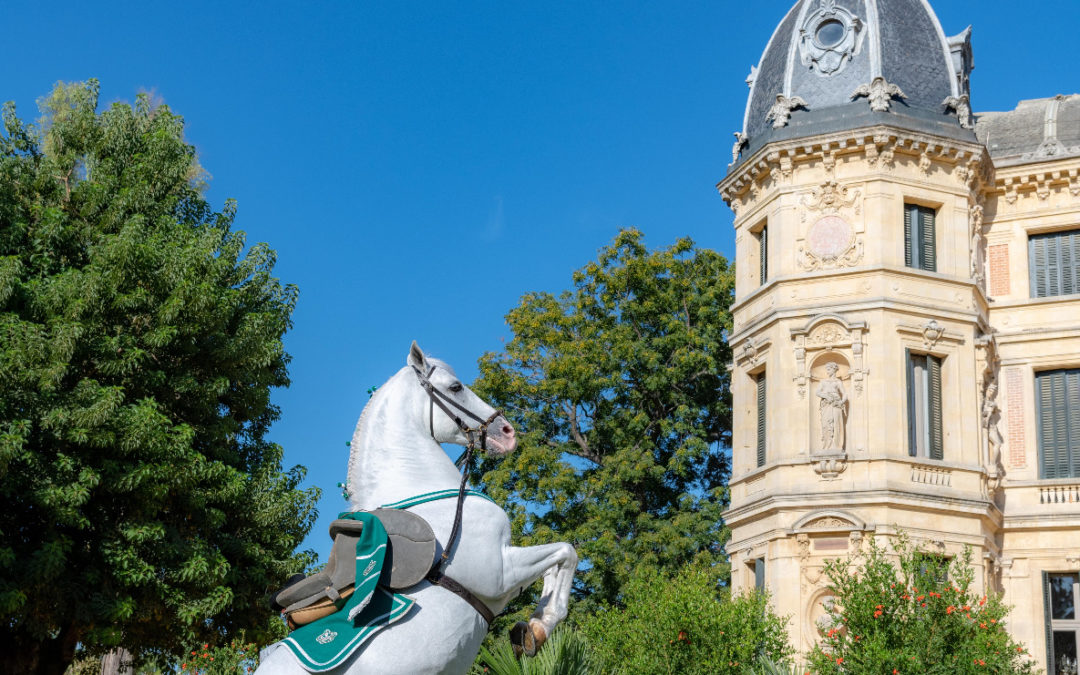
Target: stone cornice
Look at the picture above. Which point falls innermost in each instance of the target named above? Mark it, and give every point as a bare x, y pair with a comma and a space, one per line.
848, 499
879, 145
1037, 181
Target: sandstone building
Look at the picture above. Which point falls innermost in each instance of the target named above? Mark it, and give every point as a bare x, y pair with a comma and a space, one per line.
907, 318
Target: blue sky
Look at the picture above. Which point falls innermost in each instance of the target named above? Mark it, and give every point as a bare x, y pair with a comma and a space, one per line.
418, 166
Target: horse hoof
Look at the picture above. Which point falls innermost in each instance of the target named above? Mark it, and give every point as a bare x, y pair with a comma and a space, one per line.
527, 638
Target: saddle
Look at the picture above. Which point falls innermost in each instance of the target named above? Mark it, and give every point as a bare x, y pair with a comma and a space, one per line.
410, 555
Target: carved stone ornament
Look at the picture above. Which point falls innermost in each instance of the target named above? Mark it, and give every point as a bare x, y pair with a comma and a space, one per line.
975, 220
880, 93
740, 141
829, 335
830, 243
830, 197
780, 111
829, 38
962, 106
931, 333
830, 468
827, 332
830, 524
750, 351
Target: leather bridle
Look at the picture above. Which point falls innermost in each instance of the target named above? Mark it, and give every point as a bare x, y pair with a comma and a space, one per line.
438, 398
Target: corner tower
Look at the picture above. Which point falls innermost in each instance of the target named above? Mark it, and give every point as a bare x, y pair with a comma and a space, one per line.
861, 332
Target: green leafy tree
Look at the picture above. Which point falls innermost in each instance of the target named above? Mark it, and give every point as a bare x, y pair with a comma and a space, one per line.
139, 342
681, 623
619, 390
915, 615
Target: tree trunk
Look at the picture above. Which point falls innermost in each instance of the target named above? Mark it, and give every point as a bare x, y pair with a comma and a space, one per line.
21, 653
115, 662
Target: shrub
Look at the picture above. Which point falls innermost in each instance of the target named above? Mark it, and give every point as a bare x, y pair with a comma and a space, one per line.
236, 658
565, 653
683, 624
919, 615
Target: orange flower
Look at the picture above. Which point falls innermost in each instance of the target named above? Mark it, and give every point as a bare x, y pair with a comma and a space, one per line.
950, 609
983, 601
880, 607
839, 659
895, 671
921, 598
877, 613
982, 624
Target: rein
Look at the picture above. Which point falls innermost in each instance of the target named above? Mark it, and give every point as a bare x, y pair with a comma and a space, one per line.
438, 398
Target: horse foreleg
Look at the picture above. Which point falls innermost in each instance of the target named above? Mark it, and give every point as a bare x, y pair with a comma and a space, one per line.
523, 566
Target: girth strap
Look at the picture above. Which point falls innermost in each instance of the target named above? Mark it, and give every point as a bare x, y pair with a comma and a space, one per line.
439, 579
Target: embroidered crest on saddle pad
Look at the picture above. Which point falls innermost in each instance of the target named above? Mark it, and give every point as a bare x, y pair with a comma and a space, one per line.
335, 611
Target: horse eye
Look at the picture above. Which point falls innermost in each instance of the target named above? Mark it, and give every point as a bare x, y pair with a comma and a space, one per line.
456, 387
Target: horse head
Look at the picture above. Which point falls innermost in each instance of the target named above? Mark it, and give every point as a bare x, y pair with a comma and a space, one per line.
453, 413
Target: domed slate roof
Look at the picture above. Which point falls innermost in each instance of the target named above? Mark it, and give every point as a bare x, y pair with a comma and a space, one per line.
834, 64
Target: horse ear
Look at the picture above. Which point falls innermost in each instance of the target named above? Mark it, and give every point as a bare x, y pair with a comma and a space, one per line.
416, 358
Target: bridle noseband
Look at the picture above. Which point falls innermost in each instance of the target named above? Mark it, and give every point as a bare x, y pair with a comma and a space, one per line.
440, 399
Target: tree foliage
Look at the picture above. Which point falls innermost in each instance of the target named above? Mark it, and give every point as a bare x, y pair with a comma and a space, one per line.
916, 615
679, 623
139, 342
619, 390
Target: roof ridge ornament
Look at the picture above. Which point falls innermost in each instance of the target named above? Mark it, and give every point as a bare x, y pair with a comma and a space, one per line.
780, 111
880, 93
962, 105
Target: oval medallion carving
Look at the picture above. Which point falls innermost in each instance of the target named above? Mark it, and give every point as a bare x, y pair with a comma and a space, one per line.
830, 237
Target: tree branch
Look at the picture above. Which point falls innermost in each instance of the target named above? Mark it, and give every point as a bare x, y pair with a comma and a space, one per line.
579, 439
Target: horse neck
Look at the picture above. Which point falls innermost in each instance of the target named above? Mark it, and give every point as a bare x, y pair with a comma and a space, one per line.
392, 455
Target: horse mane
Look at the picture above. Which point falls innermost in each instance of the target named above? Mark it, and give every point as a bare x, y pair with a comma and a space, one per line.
354, 445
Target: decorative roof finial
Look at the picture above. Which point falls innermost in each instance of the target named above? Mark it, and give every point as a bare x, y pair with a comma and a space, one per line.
880, 93
962, 107
781, 110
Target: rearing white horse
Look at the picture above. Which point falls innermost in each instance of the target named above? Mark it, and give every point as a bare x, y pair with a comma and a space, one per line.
395, 454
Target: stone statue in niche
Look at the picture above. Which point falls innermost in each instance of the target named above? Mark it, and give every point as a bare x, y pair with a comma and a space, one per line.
833, 408
989, 419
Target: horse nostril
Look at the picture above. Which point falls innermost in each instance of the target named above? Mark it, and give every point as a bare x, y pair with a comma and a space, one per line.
507, 430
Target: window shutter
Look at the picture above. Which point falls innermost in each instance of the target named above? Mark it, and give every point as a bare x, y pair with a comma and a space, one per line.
928, 254
759, 573
1057, 395
936, 442
908, 261
763, 251
1044, 404
913, 445
1054, 260
1072, 419
1053, 266
1070, 263
1050, 665
1037, 262
761, 419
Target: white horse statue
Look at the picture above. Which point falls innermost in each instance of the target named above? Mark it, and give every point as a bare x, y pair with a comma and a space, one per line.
395, 455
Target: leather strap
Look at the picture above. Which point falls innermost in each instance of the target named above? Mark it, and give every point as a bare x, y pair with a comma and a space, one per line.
443, 581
